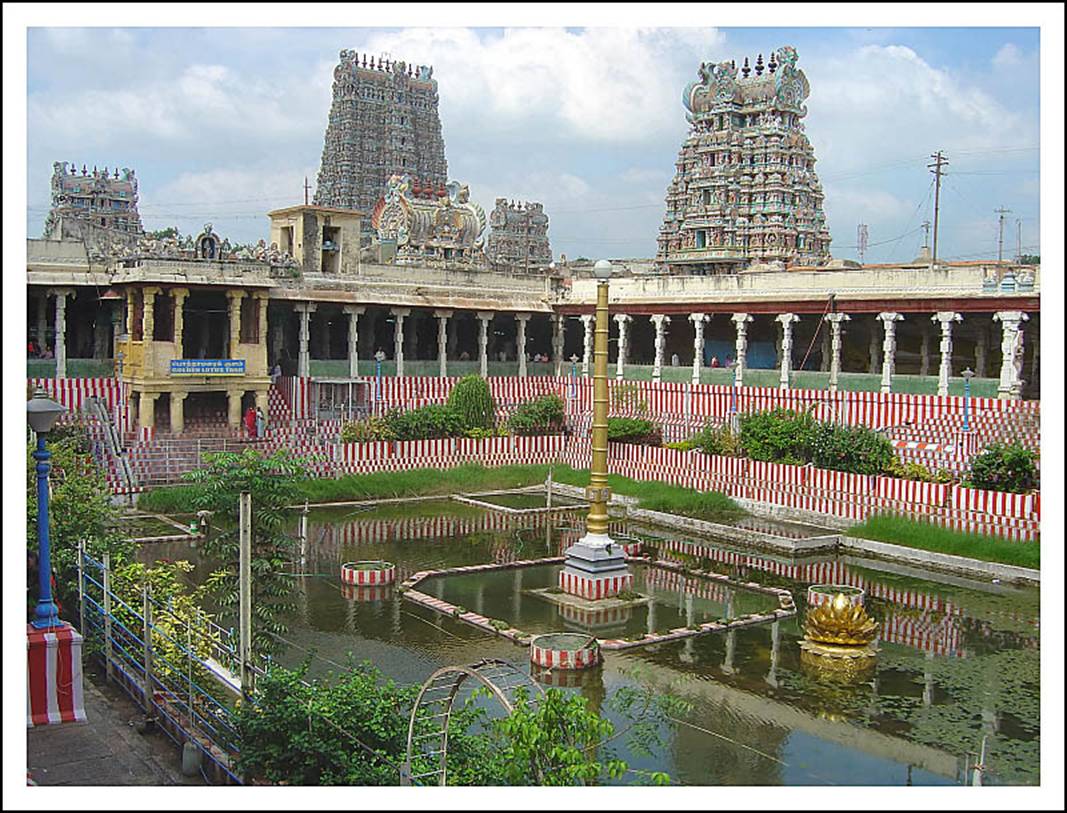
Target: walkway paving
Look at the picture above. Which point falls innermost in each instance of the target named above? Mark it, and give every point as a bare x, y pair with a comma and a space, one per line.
105, 750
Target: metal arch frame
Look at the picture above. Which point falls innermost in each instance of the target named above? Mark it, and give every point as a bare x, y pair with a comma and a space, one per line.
460, 676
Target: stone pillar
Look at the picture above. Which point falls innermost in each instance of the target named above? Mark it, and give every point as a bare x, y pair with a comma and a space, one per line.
873, 348
398, 338
261, 329
354, 312
442, 341
588, 321
484, 318
924, 351
177, 412
660, 322
786, 320
698, 320
520, 341
179, 295
1010, 345
889, 347
944, 373
146, 410
1017, 376
233, 411
558, 326
235, 298
42, 319
740, 321
61, 331
835, 320
623, 321
131, 305
303, 361
981, 351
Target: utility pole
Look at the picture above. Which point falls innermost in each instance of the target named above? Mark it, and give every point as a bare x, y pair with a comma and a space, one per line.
305, 190
936, 167
1018, 240
1000, 232
861, 240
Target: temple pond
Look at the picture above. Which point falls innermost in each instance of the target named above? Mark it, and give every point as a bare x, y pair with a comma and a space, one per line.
958, 660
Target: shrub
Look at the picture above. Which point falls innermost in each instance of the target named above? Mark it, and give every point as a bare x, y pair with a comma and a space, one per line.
472, 402
372, 428
634, 430
853, 449
1004, 467
718, 440
541, 416
432, 421
780, 435
919, 472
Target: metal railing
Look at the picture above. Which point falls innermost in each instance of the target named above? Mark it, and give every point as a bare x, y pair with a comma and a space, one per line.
179, 667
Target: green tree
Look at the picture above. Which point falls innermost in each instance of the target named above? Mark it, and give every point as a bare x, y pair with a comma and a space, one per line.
273, 481
473, 402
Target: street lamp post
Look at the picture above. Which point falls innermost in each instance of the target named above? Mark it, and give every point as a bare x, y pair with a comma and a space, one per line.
42, 414
378, 356
733, 396
967, 374
574, 376
595, 566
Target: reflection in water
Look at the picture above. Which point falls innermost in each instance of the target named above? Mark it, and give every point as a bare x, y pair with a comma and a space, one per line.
957, 660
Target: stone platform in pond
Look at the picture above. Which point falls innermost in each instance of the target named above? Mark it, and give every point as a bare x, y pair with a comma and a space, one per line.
785, 609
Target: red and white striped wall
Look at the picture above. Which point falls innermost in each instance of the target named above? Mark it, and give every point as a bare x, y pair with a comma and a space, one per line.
594, 587
54, 676
544, 654
72, 392
368, 574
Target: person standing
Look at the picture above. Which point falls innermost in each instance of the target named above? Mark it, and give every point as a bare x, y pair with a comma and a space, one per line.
261, 422
250, 422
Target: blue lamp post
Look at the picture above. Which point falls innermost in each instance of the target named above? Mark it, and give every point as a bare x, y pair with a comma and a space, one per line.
378, 380
967, 374
41, 414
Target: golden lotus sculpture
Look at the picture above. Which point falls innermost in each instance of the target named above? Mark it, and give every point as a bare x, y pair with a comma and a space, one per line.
839, 622
839, 635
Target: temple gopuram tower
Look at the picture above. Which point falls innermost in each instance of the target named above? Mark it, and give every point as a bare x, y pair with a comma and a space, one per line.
97, 200
383, 122
518, 235
745, 191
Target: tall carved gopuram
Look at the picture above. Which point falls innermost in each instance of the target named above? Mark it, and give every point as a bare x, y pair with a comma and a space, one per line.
745, 190
383, 122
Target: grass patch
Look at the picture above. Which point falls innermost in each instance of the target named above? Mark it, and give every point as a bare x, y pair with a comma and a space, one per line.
712, 506
927, 536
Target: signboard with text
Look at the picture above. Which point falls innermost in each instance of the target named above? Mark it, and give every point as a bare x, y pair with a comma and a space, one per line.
207, 366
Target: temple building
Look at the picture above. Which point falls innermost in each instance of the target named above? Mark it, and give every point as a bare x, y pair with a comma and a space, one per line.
518, 235
100, 199
745, 192
383, 122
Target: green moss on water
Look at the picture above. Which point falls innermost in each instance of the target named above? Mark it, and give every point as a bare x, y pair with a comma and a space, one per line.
927, 536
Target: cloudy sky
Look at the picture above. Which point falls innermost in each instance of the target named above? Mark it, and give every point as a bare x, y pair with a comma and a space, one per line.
223, 124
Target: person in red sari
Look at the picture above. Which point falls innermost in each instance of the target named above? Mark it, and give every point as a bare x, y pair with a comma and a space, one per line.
250, 422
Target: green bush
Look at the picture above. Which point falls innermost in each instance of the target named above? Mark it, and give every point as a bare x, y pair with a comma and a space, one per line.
918, 472
541, 416
854, 449
431, 421
780, 436
717, 440
372, 428
634, 430
1004, 467
472, 402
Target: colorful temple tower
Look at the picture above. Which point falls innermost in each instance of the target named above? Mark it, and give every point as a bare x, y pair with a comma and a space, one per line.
383, 122
518, 235
97, 199
745, 191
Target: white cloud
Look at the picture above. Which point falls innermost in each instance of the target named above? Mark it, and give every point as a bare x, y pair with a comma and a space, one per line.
1008, 56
